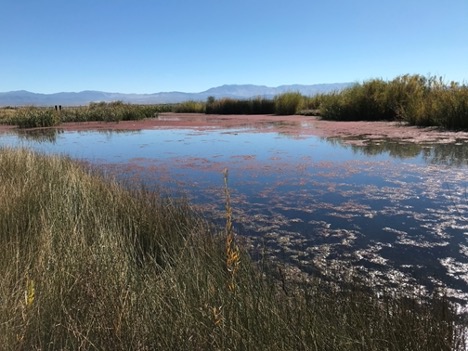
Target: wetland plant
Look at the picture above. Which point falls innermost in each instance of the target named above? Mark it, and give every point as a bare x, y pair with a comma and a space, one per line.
32, 117
35, 117
288, 103
228, 106
89, 264
414, 99
190, 106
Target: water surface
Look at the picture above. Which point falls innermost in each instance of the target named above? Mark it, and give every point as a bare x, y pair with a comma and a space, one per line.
396, 211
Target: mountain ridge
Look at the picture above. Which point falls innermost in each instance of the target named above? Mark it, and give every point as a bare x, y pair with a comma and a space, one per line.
235, 91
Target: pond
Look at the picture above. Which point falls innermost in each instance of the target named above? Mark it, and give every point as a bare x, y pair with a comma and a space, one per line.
394, 210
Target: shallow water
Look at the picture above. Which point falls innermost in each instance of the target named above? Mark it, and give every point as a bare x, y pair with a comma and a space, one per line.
396, 211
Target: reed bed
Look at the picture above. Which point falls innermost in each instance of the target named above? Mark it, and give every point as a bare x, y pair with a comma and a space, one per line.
415, 99
228, 106
288, 103
190, 106
88, 264
33, 117
37, 117
6, 113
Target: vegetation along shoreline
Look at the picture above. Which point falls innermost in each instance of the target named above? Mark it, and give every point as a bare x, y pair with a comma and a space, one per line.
88, 263
412, 99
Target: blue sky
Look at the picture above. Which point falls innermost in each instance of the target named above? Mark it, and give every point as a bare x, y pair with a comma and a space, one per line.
147, 46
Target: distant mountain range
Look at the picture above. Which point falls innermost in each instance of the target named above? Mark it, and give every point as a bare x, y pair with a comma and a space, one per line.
245, 91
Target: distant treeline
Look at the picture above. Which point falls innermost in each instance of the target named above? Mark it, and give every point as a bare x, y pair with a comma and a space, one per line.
415, 99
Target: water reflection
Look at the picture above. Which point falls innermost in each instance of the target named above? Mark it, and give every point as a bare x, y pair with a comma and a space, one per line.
395, 211
39, 136
450, 154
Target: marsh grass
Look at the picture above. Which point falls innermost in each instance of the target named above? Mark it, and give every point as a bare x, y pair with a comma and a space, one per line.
34, 117
228, 106
87, 264
190, 106
6, 113
110, 112
37, 117
415, 99
288, 103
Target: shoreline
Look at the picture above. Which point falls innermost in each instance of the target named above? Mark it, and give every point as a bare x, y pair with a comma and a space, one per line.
356, 132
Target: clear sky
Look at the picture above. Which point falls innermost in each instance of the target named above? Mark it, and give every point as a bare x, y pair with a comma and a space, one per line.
147, 46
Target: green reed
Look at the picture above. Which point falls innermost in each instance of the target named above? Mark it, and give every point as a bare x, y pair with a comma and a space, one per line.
190, 106
415, 99
229, 106
32, 116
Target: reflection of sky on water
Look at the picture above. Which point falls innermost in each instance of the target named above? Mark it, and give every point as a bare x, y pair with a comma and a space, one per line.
398, 212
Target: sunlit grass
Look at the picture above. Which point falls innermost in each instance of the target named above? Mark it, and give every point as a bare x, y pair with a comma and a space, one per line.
6, 113
34, 117
88, 264
288, 103
229, 106
413, 99
190, 106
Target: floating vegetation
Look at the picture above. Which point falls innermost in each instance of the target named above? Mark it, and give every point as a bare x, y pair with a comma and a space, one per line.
314, 202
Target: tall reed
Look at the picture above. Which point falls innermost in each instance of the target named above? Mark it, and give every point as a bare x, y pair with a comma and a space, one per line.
288, 103
415, 99
189, 106
34, 117
229, 106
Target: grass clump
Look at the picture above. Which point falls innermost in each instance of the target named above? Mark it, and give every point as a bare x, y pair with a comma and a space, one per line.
110, 112
32, 117
35, 117
87, 264
288, 103
6, 113
228, 106
414, 99
190, 106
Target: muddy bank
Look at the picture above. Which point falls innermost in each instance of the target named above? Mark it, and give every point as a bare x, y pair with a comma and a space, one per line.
296, 126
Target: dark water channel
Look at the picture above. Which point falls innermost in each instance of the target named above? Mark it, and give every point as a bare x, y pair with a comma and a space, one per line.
397, 212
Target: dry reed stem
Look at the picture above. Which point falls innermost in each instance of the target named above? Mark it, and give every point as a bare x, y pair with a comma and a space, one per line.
232, 250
